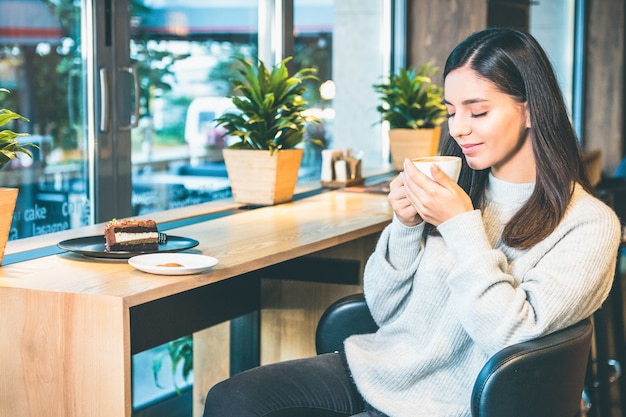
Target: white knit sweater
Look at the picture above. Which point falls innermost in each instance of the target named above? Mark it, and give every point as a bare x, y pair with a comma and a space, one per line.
445, 307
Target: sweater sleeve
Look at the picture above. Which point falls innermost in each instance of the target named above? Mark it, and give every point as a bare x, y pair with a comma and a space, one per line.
389, 271
560, 281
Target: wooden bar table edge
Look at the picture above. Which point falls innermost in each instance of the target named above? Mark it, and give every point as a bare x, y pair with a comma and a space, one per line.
66, 319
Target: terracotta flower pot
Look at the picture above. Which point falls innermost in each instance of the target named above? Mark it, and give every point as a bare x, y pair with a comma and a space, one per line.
8, 197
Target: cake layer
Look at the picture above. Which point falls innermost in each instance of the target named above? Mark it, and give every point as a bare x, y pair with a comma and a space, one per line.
142, 237
131, 235
139, 247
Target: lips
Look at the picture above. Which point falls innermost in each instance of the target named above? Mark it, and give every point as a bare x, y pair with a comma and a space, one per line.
470, 148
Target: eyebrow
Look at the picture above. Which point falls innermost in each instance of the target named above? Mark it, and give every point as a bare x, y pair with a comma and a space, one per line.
468, 101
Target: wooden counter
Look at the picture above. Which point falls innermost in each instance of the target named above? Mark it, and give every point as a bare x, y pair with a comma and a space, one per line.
70, 323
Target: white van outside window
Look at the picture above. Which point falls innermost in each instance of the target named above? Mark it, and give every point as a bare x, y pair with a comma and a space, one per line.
203, 137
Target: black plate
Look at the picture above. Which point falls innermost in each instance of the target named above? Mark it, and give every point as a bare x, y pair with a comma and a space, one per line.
94, 246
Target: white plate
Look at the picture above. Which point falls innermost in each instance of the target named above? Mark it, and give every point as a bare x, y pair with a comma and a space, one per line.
155, 263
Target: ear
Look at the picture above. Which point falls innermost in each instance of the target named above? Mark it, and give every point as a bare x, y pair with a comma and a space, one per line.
527, 115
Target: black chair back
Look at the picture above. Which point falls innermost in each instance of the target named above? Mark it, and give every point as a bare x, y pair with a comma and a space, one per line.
541, 377
345, 317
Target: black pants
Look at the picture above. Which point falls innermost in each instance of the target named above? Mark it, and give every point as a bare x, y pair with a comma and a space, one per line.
320, 386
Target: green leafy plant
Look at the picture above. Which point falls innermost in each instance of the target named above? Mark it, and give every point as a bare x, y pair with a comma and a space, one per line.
9, 146
179, 351
271, 108
410, 100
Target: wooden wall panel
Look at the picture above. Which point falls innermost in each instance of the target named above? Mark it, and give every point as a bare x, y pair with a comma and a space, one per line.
211, 362
291, 311
435, 27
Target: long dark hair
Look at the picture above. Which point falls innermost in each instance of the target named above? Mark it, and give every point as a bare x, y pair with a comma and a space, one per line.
517, 65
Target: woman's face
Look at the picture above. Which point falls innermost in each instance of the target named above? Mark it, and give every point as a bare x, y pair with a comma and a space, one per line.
491, 128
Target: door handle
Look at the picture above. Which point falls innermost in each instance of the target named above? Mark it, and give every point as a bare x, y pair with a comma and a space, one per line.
104, 100
134, 119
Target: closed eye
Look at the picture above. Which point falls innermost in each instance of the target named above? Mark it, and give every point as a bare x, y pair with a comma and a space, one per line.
479, 114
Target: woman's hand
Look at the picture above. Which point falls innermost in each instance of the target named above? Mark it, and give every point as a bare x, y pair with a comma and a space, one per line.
401, 205
415, 197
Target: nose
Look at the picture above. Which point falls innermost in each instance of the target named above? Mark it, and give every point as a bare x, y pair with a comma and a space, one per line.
459, 127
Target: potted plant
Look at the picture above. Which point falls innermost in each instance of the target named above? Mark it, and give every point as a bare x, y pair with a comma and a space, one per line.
180, 352
413, 106
10, 148
267, 126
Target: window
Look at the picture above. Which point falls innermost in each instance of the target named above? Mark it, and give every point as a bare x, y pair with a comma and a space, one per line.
184, 51
42, 64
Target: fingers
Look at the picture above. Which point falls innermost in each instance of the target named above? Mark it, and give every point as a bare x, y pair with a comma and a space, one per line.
437, 200
415, 180
400, 203
396, 182
441, 177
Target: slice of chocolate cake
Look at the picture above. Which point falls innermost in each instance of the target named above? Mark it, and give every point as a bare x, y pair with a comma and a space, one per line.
131, 235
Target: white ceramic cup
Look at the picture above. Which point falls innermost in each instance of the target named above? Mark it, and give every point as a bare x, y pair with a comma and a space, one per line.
451, 165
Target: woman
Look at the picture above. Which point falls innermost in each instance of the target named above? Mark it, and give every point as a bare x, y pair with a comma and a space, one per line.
518, 249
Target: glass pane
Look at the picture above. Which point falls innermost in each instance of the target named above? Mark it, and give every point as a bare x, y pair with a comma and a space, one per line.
41, 65
557, 38
154, 378
182, 52
313, 47
343, 41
